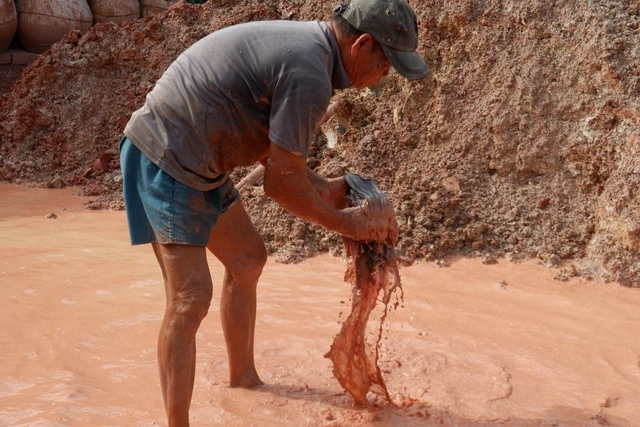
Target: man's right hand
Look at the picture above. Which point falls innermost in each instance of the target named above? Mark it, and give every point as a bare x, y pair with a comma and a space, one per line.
367, 225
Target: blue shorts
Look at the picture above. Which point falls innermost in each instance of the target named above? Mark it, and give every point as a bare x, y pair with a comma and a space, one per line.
161, 209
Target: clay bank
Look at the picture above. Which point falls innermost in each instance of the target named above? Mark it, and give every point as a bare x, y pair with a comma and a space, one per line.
522, 143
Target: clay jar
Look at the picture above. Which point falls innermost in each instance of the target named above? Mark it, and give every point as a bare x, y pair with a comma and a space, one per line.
114, 10
153, 7
41, 23
8, 23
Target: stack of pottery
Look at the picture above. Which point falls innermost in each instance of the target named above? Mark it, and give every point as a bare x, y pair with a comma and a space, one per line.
8, 23
153, 7
114, 10
41, 23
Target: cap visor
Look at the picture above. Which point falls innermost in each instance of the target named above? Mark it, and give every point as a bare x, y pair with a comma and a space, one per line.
409, 64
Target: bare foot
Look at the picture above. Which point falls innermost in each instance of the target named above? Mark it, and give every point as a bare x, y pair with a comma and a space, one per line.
249, 380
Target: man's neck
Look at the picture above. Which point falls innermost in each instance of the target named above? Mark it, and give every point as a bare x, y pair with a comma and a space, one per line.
344, 46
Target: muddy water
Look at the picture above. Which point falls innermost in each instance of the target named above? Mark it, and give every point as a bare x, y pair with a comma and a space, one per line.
473, 344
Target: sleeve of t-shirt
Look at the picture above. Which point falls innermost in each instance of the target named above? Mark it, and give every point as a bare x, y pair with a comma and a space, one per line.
298, 102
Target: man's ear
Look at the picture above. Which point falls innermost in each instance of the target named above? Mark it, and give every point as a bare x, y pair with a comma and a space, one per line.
361, 41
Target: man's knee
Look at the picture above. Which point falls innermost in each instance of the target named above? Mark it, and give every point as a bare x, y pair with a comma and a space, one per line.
255, 260
190, 305
248, 265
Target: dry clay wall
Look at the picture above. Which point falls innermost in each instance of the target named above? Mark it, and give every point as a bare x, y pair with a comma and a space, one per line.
523, 142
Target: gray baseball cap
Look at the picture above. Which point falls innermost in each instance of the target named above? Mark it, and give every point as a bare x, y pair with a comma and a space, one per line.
393, 24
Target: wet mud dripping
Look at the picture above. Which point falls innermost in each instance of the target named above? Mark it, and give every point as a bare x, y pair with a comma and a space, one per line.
373, 274
372, 271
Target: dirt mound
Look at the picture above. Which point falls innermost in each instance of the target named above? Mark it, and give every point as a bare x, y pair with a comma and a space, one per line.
522, 143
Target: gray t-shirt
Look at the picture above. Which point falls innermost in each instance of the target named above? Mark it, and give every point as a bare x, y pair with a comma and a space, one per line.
226, 97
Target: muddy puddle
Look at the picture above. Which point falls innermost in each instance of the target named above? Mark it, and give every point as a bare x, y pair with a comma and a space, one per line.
472, 344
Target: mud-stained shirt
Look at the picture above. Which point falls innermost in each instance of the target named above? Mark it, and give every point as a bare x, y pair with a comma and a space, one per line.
224, 99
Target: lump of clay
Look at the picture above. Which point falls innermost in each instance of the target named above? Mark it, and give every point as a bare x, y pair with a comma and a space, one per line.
8, 23
41, 23
114, 10
153, 7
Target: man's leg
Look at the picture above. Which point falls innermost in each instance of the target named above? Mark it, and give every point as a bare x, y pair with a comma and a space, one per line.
188, 291
237, 244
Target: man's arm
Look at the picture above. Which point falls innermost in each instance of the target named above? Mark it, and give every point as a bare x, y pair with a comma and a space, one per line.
288, 182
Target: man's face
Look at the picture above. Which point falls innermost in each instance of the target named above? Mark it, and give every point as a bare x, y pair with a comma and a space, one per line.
370, 64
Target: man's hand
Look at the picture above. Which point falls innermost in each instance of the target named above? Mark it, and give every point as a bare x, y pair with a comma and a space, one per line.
379, 222
372, 224
333, 191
